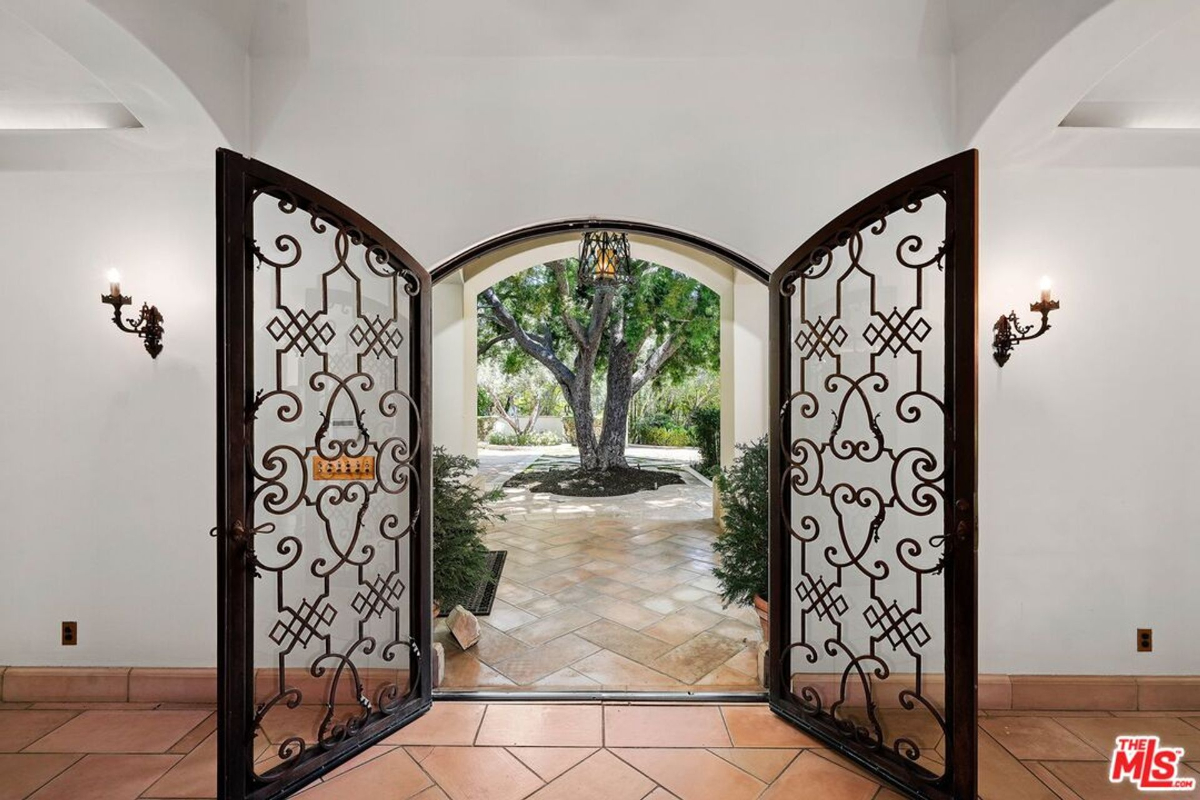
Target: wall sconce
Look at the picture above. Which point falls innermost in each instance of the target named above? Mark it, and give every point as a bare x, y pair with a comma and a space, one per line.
148, 326
1010, 332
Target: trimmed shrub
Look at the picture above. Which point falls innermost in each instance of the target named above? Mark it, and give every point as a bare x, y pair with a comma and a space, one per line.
706, 427
742, 546
663, 437
460, 517
531, 439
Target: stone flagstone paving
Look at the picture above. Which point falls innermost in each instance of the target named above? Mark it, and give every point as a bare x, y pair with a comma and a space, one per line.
608, 593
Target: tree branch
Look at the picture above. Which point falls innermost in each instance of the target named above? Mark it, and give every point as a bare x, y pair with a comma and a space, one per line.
502, 412
492, 342
601, 306
564, 292
657, 360
529, 344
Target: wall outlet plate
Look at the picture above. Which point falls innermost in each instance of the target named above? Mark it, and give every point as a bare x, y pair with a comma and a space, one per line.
1145, 640
70, 633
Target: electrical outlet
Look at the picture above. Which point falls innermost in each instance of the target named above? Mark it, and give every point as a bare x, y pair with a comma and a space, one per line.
1145, 640
70, 633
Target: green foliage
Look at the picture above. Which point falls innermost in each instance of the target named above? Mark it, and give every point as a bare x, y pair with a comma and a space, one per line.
661, 430
706, 427
460, 516
661, 301
666, 437
657, 303
677, 400
483, 402
742, 546
530, 439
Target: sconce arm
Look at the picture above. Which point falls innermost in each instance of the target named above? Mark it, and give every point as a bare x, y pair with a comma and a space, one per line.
1009, 332
148, 325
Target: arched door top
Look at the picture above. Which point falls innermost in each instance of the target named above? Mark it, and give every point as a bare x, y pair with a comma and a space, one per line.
580, 224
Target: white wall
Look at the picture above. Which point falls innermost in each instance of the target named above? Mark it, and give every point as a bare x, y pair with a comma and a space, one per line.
751, 334
445, 131
1089, 436
450, 393
107, 486
446, 124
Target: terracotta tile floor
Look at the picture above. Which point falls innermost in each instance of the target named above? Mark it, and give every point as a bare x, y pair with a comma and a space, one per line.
514, 751
611, 593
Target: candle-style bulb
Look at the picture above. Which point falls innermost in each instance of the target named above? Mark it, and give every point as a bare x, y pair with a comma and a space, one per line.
114, 282
1045, 286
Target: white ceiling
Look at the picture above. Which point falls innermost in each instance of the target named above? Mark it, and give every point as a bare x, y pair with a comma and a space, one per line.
970, 19
42, 87
1156, 88
385, 30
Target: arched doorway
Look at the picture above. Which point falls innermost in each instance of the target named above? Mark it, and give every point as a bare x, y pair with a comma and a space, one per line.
738, 281
682, 518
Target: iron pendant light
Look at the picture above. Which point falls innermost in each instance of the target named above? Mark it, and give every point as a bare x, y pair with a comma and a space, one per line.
604, 259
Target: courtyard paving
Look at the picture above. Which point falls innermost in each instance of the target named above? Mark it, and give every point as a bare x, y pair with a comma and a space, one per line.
609, 593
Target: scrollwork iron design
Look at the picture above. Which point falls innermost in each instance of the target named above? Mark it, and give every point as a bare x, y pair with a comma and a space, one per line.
335, 383
865, 522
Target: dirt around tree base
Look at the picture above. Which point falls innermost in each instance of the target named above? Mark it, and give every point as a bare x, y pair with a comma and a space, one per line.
587, 483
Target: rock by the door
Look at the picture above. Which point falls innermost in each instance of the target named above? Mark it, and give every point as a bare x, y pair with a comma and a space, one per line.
439, 664
464, 627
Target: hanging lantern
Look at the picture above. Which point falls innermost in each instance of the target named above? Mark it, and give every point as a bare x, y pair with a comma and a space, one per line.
604, 259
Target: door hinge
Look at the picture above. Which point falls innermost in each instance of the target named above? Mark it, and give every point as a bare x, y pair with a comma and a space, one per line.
244, 537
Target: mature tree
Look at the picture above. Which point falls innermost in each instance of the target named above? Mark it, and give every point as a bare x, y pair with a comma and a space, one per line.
661, 326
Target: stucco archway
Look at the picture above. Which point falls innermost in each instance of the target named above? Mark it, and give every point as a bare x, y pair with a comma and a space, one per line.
739, 282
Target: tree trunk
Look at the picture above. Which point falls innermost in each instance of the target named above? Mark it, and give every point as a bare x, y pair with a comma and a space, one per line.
616, 408
579, 397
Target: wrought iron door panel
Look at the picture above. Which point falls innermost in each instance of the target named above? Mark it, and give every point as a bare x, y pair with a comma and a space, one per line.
873, 482
325, 614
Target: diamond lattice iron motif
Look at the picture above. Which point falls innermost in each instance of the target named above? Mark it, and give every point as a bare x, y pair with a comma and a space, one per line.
822, 598
298, 626
379, 596
896, 331
820, 338
897, 626
303, 332
377, 336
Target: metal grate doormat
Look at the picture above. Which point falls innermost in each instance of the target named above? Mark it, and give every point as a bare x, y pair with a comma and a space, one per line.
484, 595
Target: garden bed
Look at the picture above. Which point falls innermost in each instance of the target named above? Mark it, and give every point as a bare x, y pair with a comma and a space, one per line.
585, 483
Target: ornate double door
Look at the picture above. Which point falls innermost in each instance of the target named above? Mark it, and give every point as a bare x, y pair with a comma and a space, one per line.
324, 465
872, 483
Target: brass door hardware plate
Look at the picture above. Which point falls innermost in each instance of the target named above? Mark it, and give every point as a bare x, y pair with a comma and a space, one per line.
346, 468
70, 633
1145, 640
